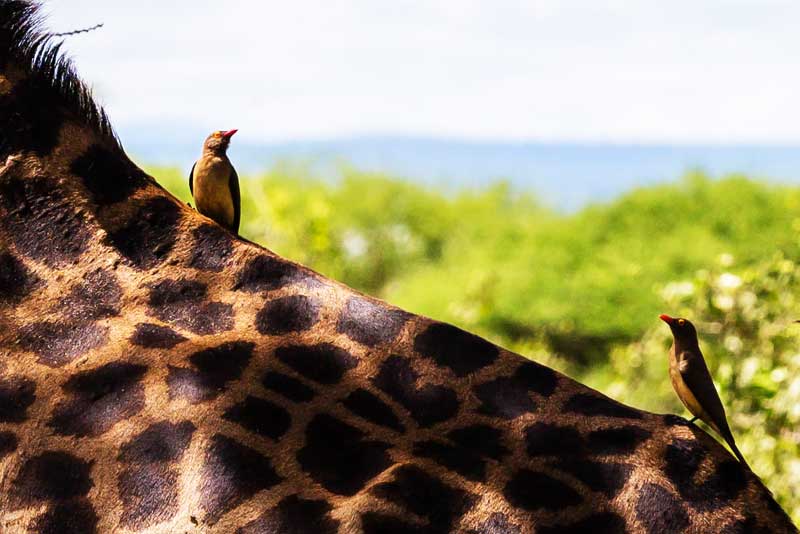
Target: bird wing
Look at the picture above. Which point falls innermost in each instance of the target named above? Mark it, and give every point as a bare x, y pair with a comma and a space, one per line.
233, 184
191, 179
695, 375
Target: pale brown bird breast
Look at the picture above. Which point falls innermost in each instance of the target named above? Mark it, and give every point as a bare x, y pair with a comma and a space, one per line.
681, 389
212, 194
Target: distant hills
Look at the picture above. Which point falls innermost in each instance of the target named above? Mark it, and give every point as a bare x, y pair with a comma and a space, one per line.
565, 175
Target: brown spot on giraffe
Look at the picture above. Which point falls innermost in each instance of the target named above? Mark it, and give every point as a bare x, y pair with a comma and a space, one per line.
59, 343
371, 408
8, 443
213, 368
425, 496
147, 237
96, 400
16, 395
287, 386
72, 517
260, 416
94, 297
370, 323
50, 477
339, 458
427, 404
154, 336
158, 374
294, 313
212, 248
266, 272
148, 485
40, 221
185, 304
231, 474
294, 515
323, 363
16, 280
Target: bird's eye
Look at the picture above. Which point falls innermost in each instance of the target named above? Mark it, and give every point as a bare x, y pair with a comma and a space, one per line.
681, 322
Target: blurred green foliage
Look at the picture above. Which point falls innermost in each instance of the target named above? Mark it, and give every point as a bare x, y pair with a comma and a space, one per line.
580, 292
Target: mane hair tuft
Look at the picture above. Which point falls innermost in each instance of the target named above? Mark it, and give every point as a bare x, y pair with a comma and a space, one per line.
24, 46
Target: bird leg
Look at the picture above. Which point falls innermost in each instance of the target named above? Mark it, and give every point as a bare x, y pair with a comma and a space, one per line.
693, 419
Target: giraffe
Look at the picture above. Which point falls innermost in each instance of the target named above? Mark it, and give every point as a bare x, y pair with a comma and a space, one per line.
161, 375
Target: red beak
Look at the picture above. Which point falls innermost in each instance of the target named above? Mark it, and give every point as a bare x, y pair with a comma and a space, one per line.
666, 318
229, 133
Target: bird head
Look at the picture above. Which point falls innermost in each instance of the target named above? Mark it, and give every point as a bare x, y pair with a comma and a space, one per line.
218, 141
682, 329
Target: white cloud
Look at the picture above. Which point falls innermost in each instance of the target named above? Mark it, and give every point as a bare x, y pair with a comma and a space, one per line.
712, 71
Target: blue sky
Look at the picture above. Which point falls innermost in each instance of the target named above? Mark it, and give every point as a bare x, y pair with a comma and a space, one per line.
547, 70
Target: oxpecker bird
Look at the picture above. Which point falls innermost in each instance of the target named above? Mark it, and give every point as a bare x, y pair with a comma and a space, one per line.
692, 381
214, 183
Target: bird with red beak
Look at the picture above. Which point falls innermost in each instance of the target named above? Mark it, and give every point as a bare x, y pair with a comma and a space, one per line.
692, 381
214, 183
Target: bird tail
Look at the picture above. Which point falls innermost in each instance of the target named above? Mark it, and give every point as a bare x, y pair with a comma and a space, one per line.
728, 436
724, 431
738, 454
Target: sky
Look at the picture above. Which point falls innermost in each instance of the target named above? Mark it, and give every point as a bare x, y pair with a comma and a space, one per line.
617, 71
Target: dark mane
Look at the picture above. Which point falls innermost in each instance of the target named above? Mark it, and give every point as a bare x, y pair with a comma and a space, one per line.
47, 72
